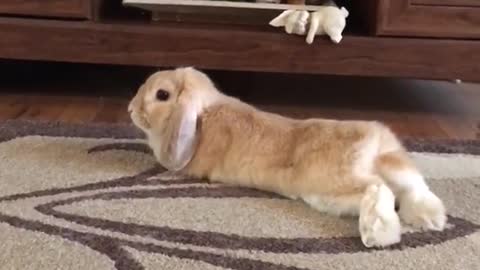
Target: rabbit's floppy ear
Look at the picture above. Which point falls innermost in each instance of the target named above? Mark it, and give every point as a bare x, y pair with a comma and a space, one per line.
181, 136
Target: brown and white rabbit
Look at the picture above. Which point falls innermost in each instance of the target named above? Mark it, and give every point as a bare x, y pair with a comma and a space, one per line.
338, 167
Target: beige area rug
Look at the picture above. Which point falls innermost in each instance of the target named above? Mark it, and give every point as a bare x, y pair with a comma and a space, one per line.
86, 197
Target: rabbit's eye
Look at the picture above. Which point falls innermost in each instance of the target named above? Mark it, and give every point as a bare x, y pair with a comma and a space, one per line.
162, 95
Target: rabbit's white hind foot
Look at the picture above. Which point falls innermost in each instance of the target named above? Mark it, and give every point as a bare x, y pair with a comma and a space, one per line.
423, 210
419, 207
379, 224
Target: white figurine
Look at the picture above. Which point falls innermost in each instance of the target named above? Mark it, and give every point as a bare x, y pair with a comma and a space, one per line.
329, 20
294, 21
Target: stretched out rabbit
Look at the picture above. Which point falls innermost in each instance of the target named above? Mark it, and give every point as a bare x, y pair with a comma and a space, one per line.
339, 167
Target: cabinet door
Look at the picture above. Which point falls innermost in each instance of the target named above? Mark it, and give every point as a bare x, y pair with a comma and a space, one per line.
74, 9
428, 18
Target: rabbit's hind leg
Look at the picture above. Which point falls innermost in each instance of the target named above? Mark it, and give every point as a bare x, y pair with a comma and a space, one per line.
419, 206
344, 195
379, 224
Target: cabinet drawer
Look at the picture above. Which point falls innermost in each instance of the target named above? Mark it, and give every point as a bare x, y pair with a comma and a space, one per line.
428, 18
75, 9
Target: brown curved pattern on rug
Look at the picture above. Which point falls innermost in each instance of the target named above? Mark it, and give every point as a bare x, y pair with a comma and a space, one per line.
95, 187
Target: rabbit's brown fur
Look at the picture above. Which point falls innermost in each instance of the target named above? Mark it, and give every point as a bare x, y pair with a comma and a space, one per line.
291, 157
341, 167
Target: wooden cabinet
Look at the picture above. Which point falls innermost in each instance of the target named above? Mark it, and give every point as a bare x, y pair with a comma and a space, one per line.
427, 39
74, 9
427, 18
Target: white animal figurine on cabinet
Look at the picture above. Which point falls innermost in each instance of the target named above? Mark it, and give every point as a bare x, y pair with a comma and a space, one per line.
327, 20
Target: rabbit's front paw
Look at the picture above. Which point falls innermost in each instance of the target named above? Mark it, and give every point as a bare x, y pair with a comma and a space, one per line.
423, 210
379, 224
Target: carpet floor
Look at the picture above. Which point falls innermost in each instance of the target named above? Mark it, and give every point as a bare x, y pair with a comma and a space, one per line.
87, 197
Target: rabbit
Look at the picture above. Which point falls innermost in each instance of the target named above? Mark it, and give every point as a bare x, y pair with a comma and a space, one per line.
357, 168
